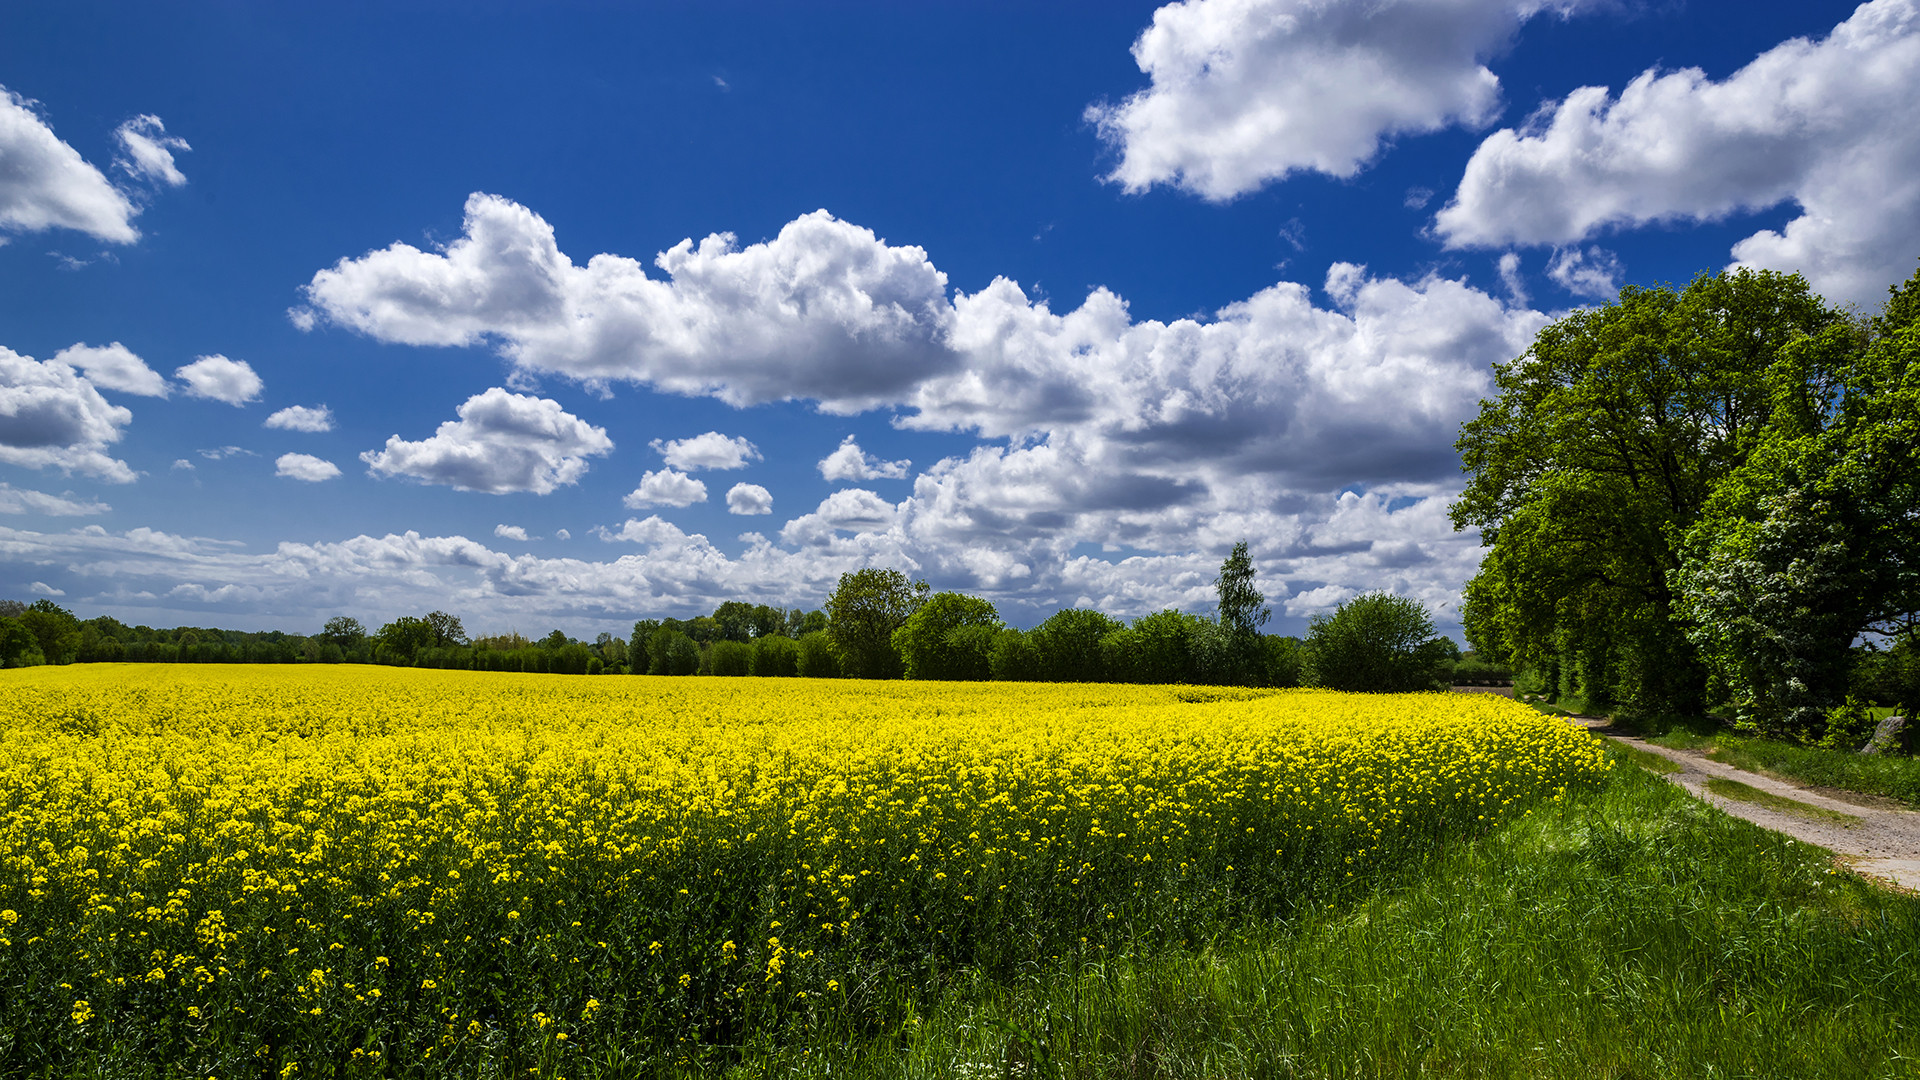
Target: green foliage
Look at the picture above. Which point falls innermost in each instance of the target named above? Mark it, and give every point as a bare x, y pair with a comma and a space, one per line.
670, 652
1068, 645
1816, 537
343, 631
1376, 642
54, 629
730, 658
862, 614
1163, 647
1013, 657
1284, 661
775, 657
18, 646
949, 637
1598, 453
817, 657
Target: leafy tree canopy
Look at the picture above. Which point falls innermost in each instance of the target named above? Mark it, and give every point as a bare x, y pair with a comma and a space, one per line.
1599, 451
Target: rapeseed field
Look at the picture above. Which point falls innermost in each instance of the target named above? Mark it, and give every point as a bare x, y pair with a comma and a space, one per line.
225, 871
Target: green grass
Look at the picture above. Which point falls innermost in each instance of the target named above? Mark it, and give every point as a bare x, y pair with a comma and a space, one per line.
1650, 761
1631, 932
1893, 776
1747, 793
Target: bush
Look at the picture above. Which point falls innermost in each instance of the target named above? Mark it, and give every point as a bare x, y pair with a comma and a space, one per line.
1068, 645
950, 637
1283, 660
730, 658
1376, 642
670, 652
816, 657
1013, 657
775, 656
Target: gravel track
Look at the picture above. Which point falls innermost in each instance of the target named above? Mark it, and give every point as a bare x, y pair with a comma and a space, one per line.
1884, 845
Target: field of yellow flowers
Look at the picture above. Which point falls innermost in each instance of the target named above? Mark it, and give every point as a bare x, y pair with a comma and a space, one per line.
349, 870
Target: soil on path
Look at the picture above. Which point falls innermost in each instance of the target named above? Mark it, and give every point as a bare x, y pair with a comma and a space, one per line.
1884, 844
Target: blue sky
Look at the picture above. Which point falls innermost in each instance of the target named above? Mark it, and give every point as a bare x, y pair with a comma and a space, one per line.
567, 314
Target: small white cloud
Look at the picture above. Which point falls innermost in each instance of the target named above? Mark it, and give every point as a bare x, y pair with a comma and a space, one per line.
305, 467
41, 588
503, 442
562, 534
302, 318
115, 367
301, 418
667, 487
149, 151
219, 453
183, 463
1594, 273
15, 500
709, 451
221, 379
511, 532
849, 462
46, 184
749, 499
1510, 277
1418, 198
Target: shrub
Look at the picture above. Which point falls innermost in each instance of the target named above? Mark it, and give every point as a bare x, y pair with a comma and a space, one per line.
1013, 657
776, 656
730, 658
949, 637
1068, 645
817, 658
1375, 642
1283, 661
670, 652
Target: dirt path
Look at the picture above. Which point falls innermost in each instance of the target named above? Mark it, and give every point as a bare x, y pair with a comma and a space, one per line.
1884, 842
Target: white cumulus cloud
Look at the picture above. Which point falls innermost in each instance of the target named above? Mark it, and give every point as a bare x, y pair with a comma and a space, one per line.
147, 151
502, 442
667, 487
1827, 125
305, 467
1245, 92
511, 532
302, 418
51, 417
220, 379
849, 462
1593, 273
709, 451
114, 367
749, 499
46, 184
825, 310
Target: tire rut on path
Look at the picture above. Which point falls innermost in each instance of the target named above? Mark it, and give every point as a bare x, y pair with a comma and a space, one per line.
1884, 845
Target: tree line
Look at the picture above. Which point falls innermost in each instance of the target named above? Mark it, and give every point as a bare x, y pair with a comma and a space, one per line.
1706, 499
876, 624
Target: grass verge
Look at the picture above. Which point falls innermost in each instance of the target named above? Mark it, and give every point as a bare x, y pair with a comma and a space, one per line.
1650, 761
1893, 776
1623, 933
1747, 793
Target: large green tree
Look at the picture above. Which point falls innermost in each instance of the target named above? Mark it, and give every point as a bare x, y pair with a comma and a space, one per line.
865, 609
1596, 455
949, 637
1815, 538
